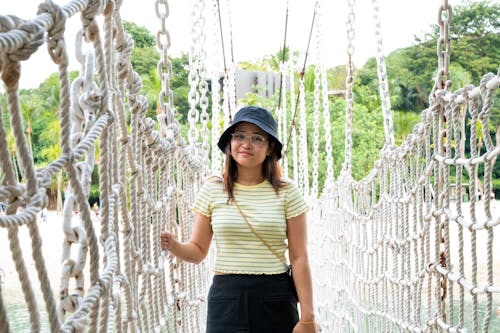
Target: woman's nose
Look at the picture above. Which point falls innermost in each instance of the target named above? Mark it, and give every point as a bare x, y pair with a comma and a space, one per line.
247, 141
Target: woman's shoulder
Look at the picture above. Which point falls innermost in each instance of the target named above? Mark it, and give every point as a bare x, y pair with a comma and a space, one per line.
214, 179
287, 182
211, 185
214, 182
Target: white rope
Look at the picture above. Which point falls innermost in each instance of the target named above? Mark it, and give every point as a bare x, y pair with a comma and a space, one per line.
385, 233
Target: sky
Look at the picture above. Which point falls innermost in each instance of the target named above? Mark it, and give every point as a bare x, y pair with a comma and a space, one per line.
258, 28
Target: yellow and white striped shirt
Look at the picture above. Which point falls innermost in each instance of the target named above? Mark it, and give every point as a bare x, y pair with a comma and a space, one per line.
239, 251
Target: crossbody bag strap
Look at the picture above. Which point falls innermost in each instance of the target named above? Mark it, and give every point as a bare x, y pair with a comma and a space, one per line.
257, 235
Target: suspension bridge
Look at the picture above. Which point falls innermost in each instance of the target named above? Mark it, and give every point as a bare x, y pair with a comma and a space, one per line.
399, 250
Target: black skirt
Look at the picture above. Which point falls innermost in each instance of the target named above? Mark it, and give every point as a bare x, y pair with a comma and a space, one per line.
240, 303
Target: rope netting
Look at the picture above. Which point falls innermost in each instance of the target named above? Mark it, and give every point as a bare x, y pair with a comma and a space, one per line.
411, 246
400, 250
147, 179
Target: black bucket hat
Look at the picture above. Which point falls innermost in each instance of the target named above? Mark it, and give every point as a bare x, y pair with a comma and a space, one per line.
257, 116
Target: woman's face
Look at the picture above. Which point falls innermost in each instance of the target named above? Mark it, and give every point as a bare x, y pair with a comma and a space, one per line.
249, 145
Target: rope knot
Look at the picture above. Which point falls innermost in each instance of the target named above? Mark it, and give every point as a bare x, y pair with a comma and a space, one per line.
55, 36
109, 8
33, 42
94, 8
26, 40
91, 31
11, 72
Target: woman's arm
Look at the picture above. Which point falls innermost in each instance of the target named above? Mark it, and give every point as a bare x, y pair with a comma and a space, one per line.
194, 250
297, 247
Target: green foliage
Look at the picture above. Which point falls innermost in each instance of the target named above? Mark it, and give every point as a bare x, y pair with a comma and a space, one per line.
179, 84
141, 35
269, 62
144, 60
336, 77
475, 38
368, 139
404, 123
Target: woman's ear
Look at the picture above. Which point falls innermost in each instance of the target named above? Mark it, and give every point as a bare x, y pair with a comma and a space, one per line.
270, 149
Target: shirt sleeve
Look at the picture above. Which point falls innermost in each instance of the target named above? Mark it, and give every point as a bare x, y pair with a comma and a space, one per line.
295, 202
203, 203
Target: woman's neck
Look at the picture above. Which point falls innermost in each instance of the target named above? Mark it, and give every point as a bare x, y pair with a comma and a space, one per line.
249, 178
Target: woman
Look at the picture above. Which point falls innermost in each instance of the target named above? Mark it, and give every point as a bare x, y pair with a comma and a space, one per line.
252, 212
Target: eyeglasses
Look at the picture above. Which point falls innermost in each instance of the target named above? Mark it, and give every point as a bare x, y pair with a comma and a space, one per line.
255, 139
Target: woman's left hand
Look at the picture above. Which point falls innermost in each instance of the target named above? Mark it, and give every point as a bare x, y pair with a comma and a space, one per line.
305, 328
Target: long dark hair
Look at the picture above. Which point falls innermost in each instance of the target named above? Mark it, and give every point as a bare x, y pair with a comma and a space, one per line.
270, 169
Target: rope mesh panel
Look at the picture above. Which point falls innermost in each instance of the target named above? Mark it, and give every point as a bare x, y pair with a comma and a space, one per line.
147, 181
404, 249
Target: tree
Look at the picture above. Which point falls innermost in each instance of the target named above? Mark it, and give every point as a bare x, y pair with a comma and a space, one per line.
179, 83
475, 37
141, 35
475, 40
50, 152
30, 111
403, 124
269, 62
144, 61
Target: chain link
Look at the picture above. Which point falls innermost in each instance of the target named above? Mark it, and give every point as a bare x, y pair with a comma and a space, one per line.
166, 108
303, 171
193, 76
316, 114
217, 107
282, 121
231, 79
382, 78
349, 86
203, 85
443, 45
292, 125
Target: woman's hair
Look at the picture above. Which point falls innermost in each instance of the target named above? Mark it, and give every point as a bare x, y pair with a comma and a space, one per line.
270, 169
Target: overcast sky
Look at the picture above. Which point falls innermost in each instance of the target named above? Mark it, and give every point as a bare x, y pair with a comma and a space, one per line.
258, 27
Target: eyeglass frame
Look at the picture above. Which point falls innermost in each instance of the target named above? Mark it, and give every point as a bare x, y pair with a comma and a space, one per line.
251, 138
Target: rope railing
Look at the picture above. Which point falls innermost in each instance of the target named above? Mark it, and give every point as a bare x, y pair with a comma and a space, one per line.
114, 259
403, 254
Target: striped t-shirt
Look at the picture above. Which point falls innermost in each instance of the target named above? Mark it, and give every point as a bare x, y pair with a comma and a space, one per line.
239, 251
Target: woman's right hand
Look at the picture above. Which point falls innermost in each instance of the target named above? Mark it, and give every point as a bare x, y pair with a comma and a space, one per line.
167, 240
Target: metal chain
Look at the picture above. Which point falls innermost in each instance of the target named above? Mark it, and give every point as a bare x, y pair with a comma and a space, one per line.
303, 171
203, 85
193, 77
349, 86
217, 106
283, 114
231, 70
293, 132
325, 104
316, 114
382, 78
166, 109
443, 46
